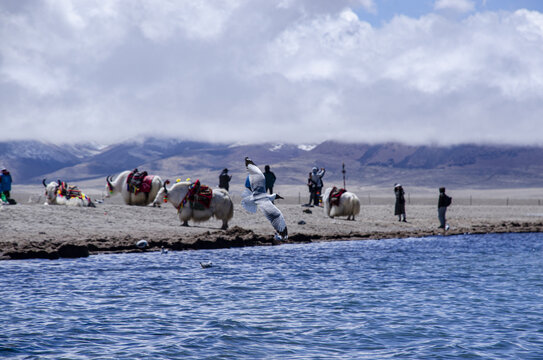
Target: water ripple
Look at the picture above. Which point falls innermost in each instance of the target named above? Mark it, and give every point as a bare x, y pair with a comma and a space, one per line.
439, 297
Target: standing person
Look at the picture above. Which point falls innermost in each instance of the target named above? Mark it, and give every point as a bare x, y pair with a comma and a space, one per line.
270, 178
443, 203
399, 208
5, 186
224, 179
316, 179
310, 188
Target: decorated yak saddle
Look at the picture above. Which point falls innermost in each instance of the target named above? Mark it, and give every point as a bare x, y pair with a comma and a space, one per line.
335, 194
69, 192
199, 196
137, 182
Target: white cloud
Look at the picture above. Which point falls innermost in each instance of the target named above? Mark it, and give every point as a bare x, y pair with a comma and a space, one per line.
462, 6
197, 19
431, 54
369, 6
302, 72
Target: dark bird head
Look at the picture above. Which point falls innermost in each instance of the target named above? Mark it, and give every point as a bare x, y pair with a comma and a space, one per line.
248, 161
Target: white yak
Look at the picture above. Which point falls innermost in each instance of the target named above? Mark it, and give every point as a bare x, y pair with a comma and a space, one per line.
349, 205
59, 193
130, 198
220, 207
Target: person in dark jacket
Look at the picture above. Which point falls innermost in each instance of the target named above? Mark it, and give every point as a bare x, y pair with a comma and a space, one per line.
270, 178
224, 180
5, 183
316, 180
399, 208
442, 204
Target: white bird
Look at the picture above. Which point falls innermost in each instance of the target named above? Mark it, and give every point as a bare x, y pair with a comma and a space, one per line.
256, 197
206, 265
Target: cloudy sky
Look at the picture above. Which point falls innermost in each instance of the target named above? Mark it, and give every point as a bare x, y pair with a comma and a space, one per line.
298, 71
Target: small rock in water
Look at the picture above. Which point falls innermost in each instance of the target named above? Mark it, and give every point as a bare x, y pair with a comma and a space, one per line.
206, 265
142, 244
163, 251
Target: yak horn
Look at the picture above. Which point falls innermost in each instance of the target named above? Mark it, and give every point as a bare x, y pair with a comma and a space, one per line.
164, 185
43, 182
108, 180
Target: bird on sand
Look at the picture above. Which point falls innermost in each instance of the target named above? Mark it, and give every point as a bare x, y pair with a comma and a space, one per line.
254, 196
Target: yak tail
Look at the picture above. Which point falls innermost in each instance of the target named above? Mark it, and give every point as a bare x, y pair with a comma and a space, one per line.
230, 211
356, 206
225, 208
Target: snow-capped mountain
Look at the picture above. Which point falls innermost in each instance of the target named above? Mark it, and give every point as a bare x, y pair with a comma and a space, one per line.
378, 164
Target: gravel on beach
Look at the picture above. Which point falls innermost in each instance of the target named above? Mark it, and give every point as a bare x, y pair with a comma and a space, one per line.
31, 230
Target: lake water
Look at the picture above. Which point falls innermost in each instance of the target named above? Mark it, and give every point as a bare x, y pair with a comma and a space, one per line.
439, 297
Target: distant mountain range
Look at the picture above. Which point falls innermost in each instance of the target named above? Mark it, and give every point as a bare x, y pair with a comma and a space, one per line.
473, 166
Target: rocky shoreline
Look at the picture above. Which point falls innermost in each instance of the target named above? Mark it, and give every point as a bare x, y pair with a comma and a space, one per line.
32, 230
231, 238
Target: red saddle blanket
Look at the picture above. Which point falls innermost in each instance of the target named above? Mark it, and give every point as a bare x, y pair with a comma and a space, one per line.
335, 194
199, 196
139, 182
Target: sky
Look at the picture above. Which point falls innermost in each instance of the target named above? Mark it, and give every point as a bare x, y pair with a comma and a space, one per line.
285, 71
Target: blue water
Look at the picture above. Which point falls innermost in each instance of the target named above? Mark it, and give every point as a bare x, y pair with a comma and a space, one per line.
440, 297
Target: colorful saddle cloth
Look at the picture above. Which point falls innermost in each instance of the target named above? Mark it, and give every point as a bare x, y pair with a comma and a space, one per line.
335, 194
70, 192
199, 196
137, 182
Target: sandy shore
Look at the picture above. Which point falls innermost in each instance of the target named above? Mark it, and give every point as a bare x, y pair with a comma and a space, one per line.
32, 230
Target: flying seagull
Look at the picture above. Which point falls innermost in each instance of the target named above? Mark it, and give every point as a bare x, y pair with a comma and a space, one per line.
254, 196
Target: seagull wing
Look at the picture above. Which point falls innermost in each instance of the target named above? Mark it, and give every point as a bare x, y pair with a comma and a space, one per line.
247, 201
256, 178
273, 214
